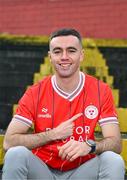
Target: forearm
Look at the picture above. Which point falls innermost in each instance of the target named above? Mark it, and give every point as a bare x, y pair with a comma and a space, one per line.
29, 140
109, 144
16, 134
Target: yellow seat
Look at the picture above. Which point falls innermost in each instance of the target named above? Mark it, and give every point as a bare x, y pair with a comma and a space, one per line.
115, 93
37, 77
101, 71
45, 69
122, 117
93, 58
124, 151
1, 149
14, 108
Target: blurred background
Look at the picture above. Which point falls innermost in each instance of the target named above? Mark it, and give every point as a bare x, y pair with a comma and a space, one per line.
24, 30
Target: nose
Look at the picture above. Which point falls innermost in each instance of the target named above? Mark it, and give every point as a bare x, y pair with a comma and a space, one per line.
64, 55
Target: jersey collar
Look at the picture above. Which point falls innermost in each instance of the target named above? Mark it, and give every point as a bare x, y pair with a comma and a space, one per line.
72, 95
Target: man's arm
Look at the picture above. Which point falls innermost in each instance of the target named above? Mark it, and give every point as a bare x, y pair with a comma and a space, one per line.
111, 133
17, 134
111, 139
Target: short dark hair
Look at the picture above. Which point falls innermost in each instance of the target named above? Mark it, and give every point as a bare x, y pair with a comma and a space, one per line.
66, 32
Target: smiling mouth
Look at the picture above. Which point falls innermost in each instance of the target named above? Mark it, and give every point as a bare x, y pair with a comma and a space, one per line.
65, 65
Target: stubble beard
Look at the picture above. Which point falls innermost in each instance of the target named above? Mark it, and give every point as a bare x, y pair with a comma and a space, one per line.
66, 73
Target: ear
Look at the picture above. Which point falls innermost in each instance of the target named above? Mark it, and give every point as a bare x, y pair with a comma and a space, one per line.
49, 55
82, 55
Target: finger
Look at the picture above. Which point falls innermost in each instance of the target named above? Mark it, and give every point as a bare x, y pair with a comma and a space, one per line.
75, 117
63, 148
61, 152
67, 144
71, 154
67, 153
75, 156
64, 155
70, 125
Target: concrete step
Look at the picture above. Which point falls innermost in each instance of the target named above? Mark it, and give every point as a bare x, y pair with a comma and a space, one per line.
113, 54
27, 60
15, 79
5, 115
19, 67
11, 94
116, 59
29, 50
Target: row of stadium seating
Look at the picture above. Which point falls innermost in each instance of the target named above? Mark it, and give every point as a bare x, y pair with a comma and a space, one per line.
116, 59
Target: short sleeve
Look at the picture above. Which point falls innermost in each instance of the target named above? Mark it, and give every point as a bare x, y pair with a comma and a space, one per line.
25, 110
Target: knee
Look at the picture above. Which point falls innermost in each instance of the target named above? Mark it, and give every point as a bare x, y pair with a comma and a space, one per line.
16, 153
111, 158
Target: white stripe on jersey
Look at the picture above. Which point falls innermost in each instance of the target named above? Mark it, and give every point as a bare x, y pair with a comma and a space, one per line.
108, 120
22, 119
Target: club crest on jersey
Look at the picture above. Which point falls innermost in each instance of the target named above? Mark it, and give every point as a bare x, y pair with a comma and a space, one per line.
91, 112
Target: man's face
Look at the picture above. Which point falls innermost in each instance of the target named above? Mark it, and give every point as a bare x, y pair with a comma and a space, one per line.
65, 55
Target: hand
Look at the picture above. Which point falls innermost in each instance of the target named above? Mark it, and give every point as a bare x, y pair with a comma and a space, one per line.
65, 129
73, 149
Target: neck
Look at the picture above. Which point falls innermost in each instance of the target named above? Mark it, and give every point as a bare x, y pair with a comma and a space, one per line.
69, 84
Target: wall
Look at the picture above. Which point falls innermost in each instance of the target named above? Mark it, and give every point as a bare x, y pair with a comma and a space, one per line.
94, 18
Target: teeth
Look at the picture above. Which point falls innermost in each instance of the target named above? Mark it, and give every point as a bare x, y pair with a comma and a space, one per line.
65, 65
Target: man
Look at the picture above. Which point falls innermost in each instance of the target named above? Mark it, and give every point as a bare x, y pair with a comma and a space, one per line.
64, 109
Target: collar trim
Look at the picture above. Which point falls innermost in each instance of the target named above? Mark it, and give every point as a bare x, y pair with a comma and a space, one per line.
72, 95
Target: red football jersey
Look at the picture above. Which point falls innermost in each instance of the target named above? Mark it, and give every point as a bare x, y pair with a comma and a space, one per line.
46, 106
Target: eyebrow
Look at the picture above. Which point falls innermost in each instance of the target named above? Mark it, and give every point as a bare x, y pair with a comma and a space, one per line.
56, 48
59, 48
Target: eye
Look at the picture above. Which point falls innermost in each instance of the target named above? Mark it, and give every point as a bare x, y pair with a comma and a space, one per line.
72, 50
56, 52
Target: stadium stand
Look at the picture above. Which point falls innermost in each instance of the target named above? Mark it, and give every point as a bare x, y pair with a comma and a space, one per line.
117, 63
115, 53
33, 64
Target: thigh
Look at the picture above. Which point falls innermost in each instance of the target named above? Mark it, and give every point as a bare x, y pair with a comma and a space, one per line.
88, 170
111, 166
38, 169
25, 165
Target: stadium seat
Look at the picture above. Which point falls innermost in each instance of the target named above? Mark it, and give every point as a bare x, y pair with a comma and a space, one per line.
122, 116
1, 149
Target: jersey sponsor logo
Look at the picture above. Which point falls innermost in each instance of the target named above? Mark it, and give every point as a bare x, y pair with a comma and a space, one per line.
79, 136
45, 113
91, 112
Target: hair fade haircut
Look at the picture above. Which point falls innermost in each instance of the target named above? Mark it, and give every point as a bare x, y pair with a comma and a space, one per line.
66, 32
